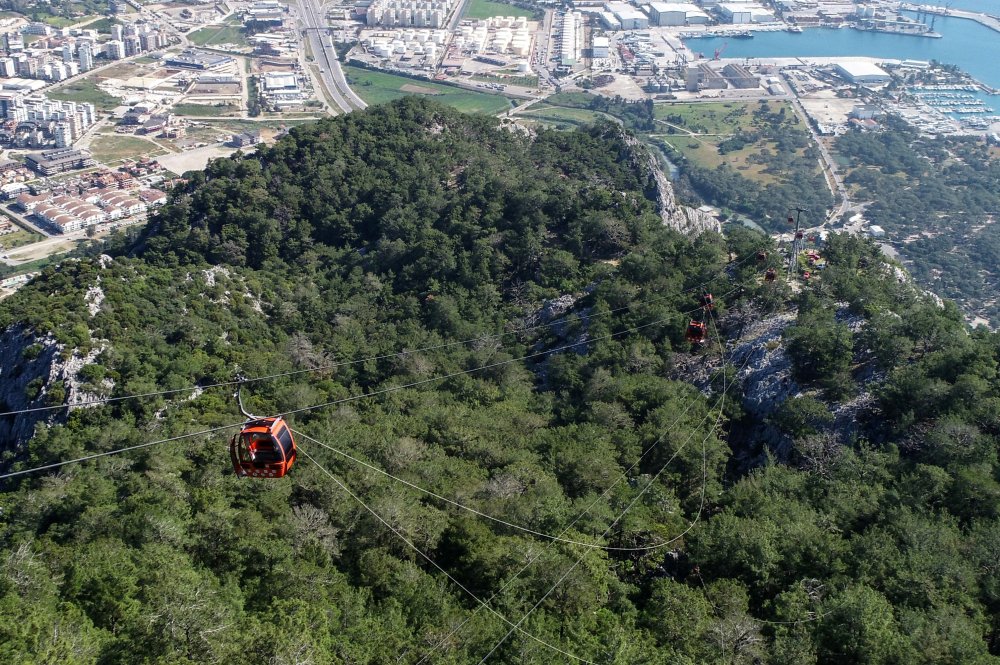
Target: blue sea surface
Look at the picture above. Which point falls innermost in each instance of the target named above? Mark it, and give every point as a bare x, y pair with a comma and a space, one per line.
971, 46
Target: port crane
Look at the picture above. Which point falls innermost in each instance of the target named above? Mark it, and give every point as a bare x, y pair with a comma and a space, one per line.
719, 51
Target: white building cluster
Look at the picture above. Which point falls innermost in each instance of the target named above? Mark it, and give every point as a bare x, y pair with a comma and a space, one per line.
409, 13
63, 52
510, 34
427, 43
567, 42
63, 122
65, 213
282, 90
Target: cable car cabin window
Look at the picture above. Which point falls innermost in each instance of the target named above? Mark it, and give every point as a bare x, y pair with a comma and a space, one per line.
258, 448
285, 439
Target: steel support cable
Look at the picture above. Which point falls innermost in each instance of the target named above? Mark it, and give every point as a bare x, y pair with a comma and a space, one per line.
498, 520
631, 504
566, 529
499, 363
358, 361
586, 510
343, 400
431, 561
107, 453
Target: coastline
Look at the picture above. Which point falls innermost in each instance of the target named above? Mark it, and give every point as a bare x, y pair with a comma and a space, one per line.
991, 22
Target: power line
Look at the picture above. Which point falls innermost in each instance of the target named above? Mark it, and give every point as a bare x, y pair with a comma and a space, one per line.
107, 453
351, 398
632, 504
431, 561
604, 494
347, 363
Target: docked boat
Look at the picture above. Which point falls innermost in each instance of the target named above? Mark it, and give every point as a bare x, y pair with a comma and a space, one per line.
794, 29
746, 34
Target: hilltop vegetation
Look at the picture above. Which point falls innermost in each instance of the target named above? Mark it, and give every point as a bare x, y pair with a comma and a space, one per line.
390, 236
938, 199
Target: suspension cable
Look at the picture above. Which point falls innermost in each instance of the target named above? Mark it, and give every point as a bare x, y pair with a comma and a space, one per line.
347, 363
431, 561
351, 398
586, 510
629, 507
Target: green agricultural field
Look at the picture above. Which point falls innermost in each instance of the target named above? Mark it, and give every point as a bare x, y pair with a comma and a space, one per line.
113, 148
379, 87
85, 90
488, 8
219, 34
204, 110
559, 116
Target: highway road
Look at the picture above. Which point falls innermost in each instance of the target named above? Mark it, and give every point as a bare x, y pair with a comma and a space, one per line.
333, 76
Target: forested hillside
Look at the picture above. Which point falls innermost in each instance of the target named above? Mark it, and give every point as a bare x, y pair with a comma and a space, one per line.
480, 333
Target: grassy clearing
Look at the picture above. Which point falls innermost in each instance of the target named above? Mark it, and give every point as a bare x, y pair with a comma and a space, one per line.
379, 87
488, 8
714, 118
215, 34
103, 24
62, 21
85, 90
712, 124
31, 266
706, 154
19, 239
114, 148
204, 110
560, 117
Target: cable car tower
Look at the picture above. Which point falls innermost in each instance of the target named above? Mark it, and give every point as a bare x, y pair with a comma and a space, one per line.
796, 237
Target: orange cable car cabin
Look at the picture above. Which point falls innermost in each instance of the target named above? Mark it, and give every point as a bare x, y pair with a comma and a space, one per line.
707, 301
264, 448
696, 332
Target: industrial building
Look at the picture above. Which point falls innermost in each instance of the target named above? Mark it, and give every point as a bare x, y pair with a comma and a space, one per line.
628, 16
739, 13
740, 77
51, 162
567, 40
862, 72
702, 76
600, 47
676, 13
198, 60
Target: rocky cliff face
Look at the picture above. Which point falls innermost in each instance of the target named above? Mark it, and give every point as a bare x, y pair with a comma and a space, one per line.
34, 372
682, 218
25, 362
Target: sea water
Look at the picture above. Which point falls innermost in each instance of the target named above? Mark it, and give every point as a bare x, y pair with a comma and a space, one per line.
971, 46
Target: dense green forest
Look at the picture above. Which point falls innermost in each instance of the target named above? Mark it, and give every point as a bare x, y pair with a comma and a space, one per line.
937, 198
520, 309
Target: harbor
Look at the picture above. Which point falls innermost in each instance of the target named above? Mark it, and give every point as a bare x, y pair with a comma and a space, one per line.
952, 48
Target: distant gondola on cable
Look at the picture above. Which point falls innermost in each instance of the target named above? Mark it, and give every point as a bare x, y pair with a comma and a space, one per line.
770, 275
761, 257
696, 333
263, 448
706, 301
